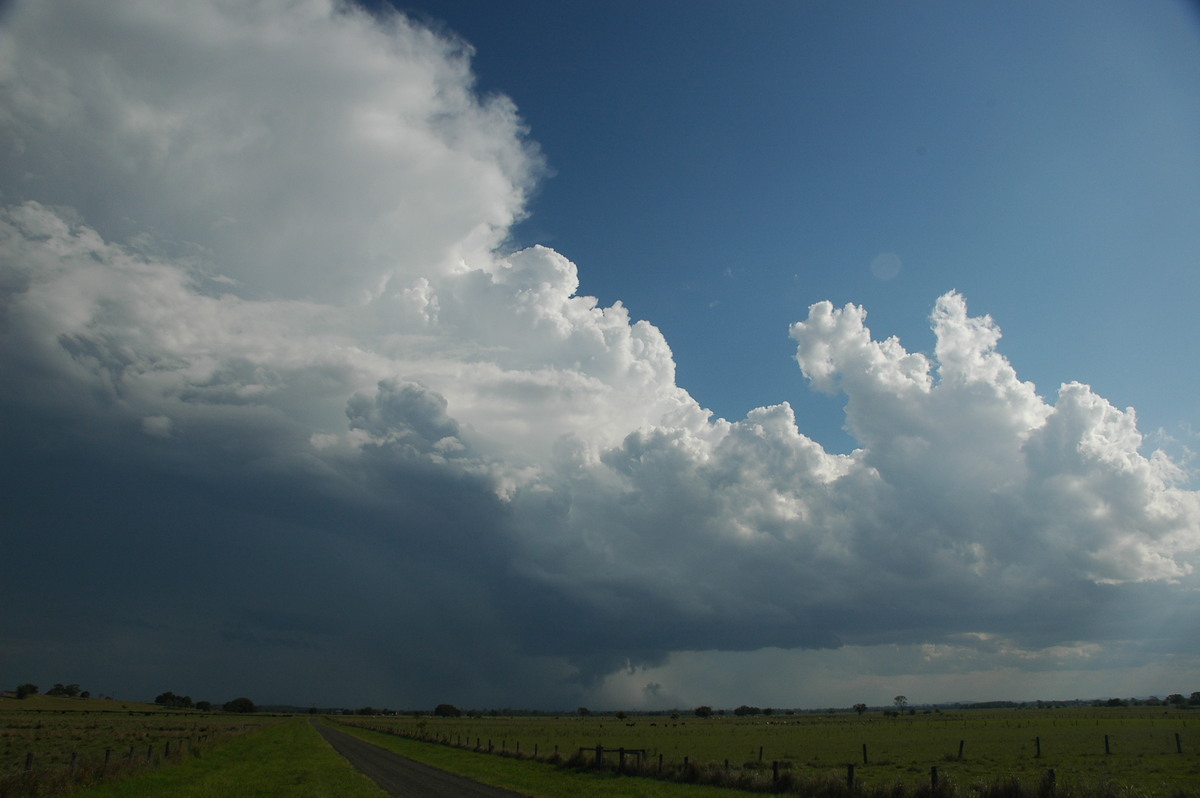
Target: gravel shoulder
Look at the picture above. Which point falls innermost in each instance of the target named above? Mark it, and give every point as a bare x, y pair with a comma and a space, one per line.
406, 778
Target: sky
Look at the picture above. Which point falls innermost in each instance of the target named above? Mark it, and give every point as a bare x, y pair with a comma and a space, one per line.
626, 355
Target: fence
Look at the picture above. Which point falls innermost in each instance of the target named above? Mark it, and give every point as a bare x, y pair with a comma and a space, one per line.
783, 775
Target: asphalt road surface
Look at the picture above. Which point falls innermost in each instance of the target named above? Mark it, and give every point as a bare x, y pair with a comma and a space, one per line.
402, 777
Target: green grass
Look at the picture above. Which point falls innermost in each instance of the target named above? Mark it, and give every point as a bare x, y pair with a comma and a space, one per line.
289, 759
997, 744
537, 779
219, 755
54, 730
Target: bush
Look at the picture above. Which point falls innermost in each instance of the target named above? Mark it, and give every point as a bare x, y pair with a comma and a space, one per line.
239, 705
169, 699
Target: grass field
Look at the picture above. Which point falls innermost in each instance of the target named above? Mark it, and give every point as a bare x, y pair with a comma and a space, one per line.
1151, 752
53, 730
538, 779
288, 760
49, 744
1142, 752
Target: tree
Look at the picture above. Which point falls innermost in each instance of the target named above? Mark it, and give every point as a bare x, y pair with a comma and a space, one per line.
1194, 698
239, 705
69, 690
860, 708
583, 711
447, 711
26, 690
204, 706
703, 711
169, 699
901, 702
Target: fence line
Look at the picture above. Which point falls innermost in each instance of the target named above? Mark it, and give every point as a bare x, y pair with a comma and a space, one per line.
782, 772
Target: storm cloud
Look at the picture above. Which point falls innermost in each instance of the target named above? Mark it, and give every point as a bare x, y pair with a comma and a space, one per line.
284, 415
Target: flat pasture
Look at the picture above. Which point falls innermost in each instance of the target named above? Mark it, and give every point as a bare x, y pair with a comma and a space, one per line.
54, 742
1153, 750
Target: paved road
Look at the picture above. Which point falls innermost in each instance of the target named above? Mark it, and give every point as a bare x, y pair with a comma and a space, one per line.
402, 777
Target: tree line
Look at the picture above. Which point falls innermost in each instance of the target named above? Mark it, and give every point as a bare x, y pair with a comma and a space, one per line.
167, 699
69, 690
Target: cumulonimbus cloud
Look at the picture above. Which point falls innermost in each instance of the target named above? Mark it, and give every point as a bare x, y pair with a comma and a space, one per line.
256, 248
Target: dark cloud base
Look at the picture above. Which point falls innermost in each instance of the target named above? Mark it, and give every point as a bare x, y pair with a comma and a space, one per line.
336, 446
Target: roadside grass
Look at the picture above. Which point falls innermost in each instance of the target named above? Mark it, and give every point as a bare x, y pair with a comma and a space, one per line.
537, 779
51, 745
289, 759
51, 740
1153, 750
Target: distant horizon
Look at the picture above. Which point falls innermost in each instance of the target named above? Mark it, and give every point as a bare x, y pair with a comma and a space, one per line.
1189, 701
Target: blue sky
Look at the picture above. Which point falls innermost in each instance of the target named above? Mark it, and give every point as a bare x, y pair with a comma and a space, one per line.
721, 168
627, 355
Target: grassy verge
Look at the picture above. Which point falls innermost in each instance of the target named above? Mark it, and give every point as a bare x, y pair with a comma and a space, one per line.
537, 779
1155, 751
509, 769
289, 759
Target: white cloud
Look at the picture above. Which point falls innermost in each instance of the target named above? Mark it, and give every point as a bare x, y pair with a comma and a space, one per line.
305, 149
251, 250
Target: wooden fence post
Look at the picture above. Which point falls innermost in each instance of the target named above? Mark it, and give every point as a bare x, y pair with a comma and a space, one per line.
760, 748
1037, 741
961, 743
1178, 744
599, 755
850, 777
933, 778
74, 760
1106, 748
1051, 782
774, 771
29, 761
864, 753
